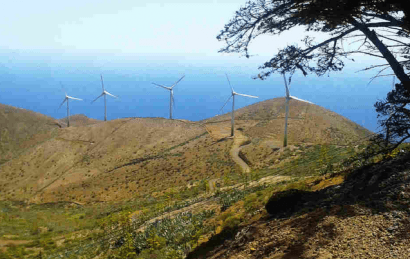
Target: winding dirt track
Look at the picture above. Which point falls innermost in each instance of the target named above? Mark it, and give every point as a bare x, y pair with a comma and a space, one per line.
238, 140
218, 132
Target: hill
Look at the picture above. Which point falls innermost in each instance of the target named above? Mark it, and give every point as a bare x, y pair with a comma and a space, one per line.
307, 123
78, 120
21, 129
115, 160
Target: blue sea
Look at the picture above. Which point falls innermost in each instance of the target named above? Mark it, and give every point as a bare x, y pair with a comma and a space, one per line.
38, 82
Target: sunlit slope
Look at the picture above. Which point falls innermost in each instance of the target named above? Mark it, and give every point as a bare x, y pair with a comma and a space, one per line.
21, 129
116, 160
307, 123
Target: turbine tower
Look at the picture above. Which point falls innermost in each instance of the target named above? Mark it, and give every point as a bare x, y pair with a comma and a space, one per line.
171, 94
288, 97
104, 93
233, 93
66, 99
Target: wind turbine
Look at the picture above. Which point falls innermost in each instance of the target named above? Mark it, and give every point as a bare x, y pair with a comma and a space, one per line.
288, 97
66, 99
171, 94
233, 104
104, 93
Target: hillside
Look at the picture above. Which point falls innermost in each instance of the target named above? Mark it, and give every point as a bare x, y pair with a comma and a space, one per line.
154, 175
366, 216
21, 129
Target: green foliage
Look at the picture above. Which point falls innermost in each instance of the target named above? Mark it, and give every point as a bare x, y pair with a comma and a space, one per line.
176, 233
14, 251
254, 202
232, 222
228, 198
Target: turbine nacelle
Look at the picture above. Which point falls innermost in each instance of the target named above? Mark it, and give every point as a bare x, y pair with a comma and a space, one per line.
288, 98
171, 90
104, 93
233, 93
69, 97
66, 98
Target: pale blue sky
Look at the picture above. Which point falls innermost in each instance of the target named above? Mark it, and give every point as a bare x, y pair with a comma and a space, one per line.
132, 27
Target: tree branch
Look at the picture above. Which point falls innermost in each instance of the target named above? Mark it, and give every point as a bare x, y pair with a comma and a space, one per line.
397, 68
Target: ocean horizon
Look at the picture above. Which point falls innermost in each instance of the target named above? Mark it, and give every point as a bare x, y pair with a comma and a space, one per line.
39, 84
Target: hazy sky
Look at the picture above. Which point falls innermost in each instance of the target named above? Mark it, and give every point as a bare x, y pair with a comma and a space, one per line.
51, 41
131, 27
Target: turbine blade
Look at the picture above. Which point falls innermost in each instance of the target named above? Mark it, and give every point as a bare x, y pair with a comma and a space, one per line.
227, 101
102, 83
177, 82
65, 99
165, 87
110, 94
246, 95
229, 83
98, 97
293, 97
74, 98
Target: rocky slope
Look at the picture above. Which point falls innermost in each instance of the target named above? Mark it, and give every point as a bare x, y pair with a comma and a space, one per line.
367, 216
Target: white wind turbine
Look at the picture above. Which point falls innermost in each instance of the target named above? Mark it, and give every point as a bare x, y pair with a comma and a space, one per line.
104, 93
66, 99
171, 94
288, 97
233, 104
